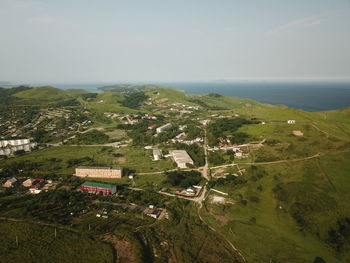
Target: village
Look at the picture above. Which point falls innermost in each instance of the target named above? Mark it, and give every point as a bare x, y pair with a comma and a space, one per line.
166, 135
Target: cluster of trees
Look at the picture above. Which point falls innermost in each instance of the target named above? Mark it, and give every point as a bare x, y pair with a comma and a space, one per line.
217, 158
227, 126
23, 168
229, 180
90, 137
68, 103
78, 161
141, 135
56, 206
143, 198
134, 100
339, 236
183, 179
193, 132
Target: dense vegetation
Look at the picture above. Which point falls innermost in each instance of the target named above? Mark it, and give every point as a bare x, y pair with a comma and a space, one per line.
134, 100
227, 127
183, 179
90, 137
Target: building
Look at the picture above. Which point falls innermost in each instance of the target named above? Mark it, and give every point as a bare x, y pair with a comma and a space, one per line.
181, 158
28, 183
152, 211
10, 182
99, 172
157, 154
164, 127
97, 188
8, 147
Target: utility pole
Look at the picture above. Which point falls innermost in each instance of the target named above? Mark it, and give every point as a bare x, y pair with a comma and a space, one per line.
55, 233
89, 227
17, 241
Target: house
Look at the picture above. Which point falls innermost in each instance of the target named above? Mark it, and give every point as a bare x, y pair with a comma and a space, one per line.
28, 183
97, 188
99, 172
291, 121
181, 158
10, 182
164, 128
37, 184
157, 154
152, 211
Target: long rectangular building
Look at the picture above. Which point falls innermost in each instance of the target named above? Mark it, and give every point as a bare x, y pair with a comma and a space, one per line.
181, 158
99, 172
97, 188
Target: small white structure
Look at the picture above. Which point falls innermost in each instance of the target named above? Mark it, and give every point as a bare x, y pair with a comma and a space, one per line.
34, 191
291, 121
164, 127
157, 154
239, 154
205, 122
181, 158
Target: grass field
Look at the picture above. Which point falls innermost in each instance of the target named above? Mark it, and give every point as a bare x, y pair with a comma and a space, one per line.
265, 230
37, 243
99, 155
140, 160
133, 158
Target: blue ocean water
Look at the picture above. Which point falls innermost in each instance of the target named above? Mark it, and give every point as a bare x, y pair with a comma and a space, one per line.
308, 95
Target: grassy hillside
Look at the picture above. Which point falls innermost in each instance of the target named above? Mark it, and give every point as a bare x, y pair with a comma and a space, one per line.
289, 211
109, 102
45, 93
37, 243
48, 94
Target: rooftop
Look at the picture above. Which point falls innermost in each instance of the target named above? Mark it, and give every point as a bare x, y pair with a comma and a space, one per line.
97, 184
97, 167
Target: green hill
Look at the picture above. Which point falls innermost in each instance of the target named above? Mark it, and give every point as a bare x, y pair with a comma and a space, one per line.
49, 95
43, 93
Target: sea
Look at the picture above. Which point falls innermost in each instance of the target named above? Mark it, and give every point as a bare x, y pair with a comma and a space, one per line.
306, 95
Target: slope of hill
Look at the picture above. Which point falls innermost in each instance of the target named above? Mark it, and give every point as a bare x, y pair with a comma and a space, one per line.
290, 204
43, 93
126, 88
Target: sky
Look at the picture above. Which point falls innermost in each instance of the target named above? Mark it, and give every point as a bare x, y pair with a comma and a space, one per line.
72, 41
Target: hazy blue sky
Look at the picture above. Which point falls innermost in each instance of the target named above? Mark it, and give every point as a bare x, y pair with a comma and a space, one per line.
178, 40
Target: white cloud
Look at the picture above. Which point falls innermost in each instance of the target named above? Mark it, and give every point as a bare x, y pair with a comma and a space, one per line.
306, 22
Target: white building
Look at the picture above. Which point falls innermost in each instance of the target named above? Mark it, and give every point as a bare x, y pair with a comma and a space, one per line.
181, 158
157, 154
8, 147
164, 127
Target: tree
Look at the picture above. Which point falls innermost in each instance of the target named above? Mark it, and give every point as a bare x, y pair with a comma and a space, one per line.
319, 260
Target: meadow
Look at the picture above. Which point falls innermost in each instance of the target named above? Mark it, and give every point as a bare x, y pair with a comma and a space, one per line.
286, 213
